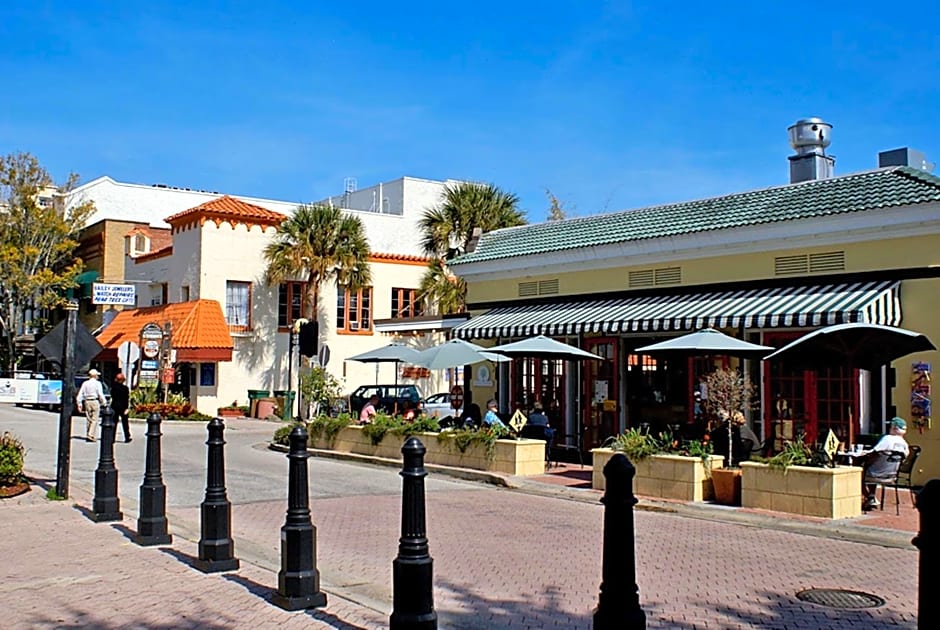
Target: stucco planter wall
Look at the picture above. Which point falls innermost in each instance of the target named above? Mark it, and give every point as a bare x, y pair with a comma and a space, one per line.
823, 492
512, 457
664, 476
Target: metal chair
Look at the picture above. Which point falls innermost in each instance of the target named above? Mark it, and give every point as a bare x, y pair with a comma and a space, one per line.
882, 470
903, 479
563, 443
539, 432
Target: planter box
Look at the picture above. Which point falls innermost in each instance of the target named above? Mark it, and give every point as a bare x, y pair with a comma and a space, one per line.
823, 492
224, 412
664, 476
511, 457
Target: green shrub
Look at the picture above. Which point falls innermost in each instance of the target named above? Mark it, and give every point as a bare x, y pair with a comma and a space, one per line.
637, 445
328, 427
12, 453
463, 439
282, 435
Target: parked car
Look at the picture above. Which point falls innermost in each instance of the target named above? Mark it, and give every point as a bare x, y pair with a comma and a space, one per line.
439, 405
388, 395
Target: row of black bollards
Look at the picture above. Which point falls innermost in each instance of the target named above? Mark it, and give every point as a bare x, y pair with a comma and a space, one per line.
216, 547
152, 527
106, 506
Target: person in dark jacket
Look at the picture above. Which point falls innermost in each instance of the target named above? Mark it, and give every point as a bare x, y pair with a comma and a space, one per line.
120, 402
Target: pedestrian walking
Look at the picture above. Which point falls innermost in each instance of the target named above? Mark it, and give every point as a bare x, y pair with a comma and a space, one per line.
89, 399
120, 403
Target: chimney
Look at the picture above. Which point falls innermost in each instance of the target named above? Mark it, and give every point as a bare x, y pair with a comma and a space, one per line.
905, 157
809, 137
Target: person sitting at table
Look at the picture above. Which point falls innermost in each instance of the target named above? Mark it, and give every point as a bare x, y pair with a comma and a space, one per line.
471, 417
408, 413
537, 418
491, 419
877, 466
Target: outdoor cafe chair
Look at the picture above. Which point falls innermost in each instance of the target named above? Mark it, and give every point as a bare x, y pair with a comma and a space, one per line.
889, 462
568, 442
903, 479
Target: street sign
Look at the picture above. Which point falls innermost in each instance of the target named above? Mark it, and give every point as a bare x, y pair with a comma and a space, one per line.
86, 346
148, 364
168, 375
128, 352
151, 348
151, 331
121, 294
324, 355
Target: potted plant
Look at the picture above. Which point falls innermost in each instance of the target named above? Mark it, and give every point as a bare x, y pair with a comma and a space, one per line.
727, 394
232, 411
12, 452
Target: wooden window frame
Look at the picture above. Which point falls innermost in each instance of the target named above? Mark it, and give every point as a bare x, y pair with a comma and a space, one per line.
238, 327
286, 315
408, 297
363, 311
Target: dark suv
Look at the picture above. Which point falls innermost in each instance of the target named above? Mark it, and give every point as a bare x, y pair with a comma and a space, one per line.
388, 395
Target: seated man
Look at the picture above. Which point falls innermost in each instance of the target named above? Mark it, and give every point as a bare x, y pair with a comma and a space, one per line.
877, 466
491, 419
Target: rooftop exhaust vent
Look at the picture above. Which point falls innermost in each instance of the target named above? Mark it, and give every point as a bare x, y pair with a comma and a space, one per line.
810, 137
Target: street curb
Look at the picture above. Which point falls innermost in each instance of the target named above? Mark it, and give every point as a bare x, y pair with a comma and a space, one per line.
836, 530
465, 474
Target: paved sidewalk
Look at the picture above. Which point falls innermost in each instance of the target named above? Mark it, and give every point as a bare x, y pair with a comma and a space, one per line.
61, 570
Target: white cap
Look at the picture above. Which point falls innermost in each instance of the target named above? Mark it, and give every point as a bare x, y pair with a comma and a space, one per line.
94, 372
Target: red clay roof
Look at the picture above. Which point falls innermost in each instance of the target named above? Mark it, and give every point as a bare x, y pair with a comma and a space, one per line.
225, 208
199, 329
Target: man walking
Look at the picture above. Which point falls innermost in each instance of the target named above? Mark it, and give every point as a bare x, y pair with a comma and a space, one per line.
90, 397
120, 401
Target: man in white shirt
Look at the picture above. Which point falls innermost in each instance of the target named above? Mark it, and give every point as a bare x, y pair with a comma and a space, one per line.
89, 399
877, 467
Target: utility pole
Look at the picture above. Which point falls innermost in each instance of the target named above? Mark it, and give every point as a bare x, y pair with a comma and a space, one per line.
68, 398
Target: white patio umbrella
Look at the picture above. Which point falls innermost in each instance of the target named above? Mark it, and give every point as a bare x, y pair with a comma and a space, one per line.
541, 347
706, 341
455, 353
392, 353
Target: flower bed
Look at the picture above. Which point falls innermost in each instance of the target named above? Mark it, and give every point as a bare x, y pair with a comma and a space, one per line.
678, 477
824, 492
513, 457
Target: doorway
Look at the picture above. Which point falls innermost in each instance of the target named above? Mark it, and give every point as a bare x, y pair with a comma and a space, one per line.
601, 392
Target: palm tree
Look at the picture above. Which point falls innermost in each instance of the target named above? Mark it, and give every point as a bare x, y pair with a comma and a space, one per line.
448, 228
319, 243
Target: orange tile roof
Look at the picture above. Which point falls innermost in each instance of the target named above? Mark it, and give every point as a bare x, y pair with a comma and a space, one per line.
226, 208
199, 329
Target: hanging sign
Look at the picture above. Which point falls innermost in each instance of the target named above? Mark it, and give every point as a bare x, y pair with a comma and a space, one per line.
118, 294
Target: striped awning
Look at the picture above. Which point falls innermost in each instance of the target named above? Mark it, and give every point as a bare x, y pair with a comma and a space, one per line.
781, 307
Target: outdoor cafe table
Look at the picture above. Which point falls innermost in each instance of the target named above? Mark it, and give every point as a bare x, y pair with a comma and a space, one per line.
850, 457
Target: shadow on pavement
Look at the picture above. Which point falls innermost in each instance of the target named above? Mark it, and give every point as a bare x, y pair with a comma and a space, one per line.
81, 620
185, 558
474, 610
775, 611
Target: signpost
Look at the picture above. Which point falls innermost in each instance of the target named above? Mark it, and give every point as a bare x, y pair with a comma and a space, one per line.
151, 342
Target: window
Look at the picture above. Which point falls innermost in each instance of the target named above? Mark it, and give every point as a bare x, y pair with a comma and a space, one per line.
354, 310
207, 374
184, 293
290, 303
405, 303
238, 304
158, 294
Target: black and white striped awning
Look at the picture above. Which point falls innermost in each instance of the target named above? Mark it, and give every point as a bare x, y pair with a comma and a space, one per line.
781, 307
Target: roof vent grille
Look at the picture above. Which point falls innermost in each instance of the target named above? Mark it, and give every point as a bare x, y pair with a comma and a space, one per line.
528, 289
548, 287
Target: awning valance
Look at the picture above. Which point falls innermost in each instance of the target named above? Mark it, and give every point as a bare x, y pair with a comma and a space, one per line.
780, 307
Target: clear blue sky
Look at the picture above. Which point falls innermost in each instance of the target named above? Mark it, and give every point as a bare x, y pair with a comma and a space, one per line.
611, 105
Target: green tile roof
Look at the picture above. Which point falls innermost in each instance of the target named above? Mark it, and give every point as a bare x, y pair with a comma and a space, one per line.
883, 188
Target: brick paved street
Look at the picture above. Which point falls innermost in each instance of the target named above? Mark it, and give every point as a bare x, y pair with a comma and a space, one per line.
503, 558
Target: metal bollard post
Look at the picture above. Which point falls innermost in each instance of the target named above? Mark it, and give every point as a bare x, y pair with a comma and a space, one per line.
298, 581
106, 505
216, 547
928, 542
618, 607
152, 523
412, 570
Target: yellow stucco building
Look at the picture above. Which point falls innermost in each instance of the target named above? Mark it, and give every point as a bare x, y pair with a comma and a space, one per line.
765, 265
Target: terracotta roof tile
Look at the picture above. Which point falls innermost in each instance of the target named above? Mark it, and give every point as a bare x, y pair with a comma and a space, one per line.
197, 325
226, 207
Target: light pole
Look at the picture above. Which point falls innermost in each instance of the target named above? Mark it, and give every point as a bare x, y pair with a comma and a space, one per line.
291, 343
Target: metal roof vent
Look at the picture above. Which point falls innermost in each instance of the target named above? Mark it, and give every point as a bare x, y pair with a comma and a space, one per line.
905, 157
809, 137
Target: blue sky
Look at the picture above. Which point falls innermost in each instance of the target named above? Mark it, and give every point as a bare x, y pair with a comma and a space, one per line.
610, 105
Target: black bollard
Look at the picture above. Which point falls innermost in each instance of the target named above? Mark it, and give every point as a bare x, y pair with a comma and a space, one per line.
412, 570
618, 607
298, 581
151, 522
106, 505
216, 547
928, 542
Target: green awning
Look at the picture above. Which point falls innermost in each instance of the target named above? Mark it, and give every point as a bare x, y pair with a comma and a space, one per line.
86, 277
